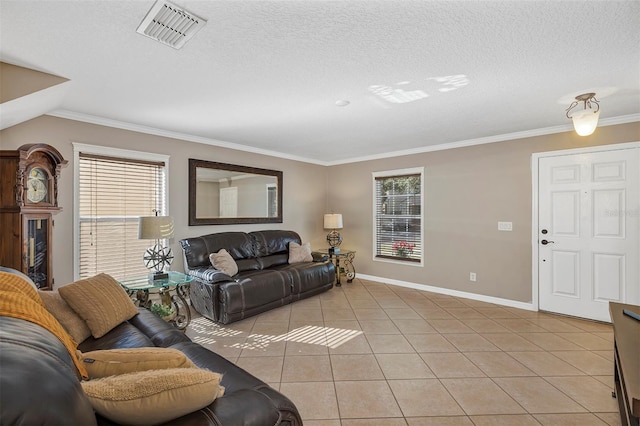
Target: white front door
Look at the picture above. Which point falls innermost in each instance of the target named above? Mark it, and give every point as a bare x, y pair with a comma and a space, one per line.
589, 232
229, 202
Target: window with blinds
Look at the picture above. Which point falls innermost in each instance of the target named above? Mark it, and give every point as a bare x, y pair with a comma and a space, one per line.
398, 199
112, 194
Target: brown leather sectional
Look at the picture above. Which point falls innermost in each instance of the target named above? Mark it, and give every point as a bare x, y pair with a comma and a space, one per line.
38, 382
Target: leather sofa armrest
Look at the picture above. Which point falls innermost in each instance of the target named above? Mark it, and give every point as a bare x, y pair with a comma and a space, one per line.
160, 332
209, 275
319, 257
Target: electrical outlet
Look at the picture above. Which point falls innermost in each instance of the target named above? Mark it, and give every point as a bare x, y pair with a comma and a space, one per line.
505, 226
472, 276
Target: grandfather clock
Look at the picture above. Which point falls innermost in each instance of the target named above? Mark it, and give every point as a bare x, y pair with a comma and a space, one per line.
28, 200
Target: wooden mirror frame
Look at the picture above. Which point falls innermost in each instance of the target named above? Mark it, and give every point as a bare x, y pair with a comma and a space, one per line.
195, 221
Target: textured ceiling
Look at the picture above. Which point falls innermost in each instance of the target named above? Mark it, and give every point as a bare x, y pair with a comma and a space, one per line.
266, 75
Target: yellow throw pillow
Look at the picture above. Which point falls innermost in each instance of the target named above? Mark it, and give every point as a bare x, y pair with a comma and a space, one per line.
300, 253
112, 362
223, 261
152, 396
66, 316
100, 301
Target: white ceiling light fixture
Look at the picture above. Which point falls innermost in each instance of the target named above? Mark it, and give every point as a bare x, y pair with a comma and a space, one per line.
170, 24
585, 120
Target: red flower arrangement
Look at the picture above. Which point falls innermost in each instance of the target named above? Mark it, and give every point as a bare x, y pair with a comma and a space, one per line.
403, 248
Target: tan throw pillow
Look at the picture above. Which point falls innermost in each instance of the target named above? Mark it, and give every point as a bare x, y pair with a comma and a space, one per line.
223, 261
153, 396
100, 301
300, 253
112, 362
66, 316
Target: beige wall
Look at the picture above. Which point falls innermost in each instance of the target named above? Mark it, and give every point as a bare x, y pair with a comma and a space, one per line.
303, 184
467, 191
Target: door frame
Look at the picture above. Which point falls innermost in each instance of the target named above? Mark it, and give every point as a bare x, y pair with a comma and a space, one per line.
535, 161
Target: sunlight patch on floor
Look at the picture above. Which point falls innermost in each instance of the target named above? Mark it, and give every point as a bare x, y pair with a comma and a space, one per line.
311, 334
203, 332
204, 327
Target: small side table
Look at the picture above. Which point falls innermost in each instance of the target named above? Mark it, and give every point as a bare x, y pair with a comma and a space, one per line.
172, 291
344, 263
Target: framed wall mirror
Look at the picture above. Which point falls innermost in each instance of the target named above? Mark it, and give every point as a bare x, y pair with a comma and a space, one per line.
225, 194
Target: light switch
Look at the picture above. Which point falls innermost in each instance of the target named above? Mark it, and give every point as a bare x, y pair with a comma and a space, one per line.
505, 226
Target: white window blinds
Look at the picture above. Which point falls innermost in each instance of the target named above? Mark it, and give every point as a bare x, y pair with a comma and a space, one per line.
112, 194
398, 217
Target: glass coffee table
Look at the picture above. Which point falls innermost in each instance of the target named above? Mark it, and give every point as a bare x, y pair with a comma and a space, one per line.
173, 292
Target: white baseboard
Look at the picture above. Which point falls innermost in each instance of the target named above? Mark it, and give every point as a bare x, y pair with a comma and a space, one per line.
449, 292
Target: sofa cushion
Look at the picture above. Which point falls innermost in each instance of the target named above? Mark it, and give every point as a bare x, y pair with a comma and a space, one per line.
197, 249
143, 330
100, 301
152, 396
273, 260
124, 335
273, 241
248, 265
300, 253
112, 362
223, 261
66, 316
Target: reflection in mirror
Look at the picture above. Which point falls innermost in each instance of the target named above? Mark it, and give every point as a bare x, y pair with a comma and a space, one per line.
226, 194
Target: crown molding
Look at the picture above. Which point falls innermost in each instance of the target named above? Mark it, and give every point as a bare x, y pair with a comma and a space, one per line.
86, 118
489, 139
92, 119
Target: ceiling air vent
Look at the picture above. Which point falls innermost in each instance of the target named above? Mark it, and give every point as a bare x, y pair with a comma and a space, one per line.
170, 24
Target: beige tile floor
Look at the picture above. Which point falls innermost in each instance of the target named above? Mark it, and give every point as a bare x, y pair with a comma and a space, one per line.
373, 354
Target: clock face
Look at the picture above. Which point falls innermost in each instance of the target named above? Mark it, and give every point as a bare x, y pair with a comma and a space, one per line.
37, 185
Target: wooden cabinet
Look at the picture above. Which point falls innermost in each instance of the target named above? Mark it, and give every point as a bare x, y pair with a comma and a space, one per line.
28, 201
626, 332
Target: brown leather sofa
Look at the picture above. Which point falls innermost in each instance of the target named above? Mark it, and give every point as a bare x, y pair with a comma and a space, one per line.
39, 386
265, 280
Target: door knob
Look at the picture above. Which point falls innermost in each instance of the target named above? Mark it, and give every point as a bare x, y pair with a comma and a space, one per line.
545, 242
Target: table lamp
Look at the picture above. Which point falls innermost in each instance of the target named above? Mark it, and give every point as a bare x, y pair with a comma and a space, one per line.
333, 221
156, 258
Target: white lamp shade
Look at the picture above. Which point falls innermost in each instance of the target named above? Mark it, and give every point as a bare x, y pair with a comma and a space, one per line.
155, 227
585, 121
333, 221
